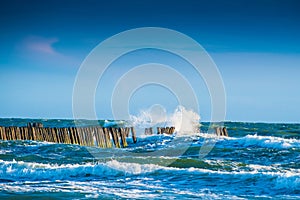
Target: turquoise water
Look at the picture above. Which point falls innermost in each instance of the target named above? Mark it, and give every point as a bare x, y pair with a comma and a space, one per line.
258, 160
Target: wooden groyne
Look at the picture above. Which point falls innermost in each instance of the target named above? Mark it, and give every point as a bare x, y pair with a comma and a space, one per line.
103, 137
85, 136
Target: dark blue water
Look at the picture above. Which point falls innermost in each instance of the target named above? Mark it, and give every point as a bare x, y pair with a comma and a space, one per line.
258, 160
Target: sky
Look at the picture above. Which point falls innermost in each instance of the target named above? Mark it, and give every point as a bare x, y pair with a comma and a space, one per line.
254, 44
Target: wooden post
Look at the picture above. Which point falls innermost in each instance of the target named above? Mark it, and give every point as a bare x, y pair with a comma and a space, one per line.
171, 130
33, 133
29, 133
108, 137
4, 133
167, 130
50, 136
49, 133
158, 130
151, 131
87, 136
40, 133
4, 137
7, 133
80, 140
26, 131
92, 141
21, 133
225, 132
115, 137
52, 130
217, 131
103, 138
18, 134
1, 136
123, 137
133, 134
57, 134
1, 133
76, 136
43, 135
71, 136
127, 130
78, 130
148, 131
83, 136
36, 133
45, 132
97, 137
63, 135
92, 132
13, 136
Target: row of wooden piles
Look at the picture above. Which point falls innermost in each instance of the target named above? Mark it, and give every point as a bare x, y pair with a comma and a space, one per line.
85, 136
160, 130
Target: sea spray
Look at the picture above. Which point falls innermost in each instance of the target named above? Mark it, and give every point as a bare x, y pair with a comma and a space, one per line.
186, 122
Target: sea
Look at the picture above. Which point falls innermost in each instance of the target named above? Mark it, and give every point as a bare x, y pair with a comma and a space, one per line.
256, 161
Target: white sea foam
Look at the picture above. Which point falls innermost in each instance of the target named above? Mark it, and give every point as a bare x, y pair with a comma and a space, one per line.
31, 170
3, 152
60, 174
266, 141
256, 140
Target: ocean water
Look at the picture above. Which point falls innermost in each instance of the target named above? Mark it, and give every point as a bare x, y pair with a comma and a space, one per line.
258, 160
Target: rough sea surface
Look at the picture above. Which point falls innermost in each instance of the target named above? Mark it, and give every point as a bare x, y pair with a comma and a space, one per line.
258, 160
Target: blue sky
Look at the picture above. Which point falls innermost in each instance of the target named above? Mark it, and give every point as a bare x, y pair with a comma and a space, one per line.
255, 44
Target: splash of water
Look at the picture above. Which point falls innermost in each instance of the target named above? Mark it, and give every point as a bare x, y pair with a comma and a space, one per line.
186, 122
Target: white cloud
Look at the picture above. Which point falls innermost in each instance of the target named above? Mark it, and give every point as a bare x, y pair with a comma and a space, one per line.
41, 51
40, 44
